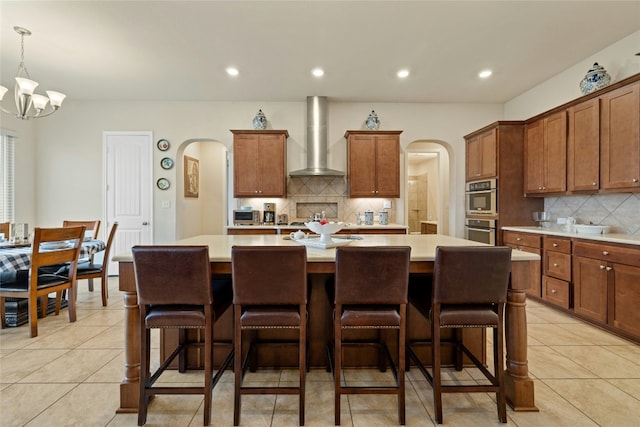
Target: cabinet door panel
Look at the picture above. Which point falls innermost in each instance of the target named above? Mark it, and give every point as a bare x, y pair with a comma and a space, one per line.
362, 160
245, 166
387, 166
272, 166
625, 296
584, 146
474, 158
590, 288
556, 153
489, 144
620, 143
534, 157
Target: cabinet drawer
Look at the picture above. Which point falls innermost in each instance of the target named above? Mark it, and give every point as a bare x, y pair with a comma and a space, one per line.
521, 239
607, 252
557, 244
555, 291
557, 265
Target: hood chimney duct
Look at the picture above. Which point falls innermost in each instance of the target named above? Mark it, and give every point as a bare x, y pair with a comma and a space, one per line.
316, 140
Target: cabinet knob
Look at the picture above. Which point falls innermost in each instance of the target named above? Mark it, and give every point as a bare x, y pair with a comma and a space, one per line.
594, 184
555, 264
544, 188
634, 180
539, 188
609, 268
519, 238
602, 267
553, 291
605, 252
555, 245
256, 191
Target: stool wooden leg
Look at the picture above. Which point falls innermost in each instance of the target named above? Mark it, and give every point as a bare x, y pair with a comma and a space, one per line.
437, 380
337, 364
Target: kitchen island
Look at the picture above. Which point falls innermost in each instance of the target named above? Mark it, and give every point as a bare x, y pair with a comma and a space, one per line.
519, 387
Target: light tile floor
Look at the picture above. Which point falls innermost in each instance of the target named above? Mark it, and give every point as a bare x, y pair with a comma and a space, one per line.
69, 376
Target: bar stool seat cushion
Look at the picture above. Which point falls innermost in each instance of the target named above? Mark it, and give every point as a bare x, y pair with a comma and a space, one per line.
266, 317
465, 316
175, 316
374, 317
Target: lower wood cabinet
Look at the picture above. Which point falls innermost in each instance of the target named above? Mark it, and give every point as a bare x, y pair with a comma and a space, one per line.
606, 280
556, 291
527, 279
598, 281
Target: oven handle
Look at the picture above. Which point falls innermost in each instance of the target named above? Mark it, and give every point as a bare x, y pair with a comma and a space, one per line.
493, 190
487, 230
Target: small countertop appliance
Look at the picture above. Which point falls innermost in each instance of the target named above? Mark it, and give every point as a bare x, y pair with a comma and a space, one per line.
269, 214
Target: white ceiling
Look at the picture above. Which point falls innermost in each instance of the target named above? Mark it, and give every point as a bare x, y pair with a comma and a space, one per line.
178, 50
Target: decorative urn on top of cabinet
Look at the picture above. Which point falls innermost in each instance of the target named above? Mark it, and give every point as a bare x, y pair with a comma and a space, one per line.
596, 78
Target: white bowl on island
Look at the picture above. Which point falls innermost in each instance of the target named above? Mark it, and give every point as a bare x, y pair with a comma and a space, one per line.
324, 230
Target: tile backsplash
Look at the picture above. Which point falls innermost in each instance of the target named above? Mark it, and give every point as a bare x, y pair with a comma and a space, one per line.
310, 194
621, 211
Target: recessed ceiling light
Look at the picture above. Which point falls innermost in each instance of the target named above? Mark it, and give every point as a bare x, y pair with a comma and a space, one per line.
403, 74
484, 74
232, 71
318, 72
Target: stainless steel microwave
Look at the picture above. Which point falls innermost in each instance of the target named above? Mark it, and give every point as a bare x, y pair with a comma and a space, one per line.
242, 217
481, 197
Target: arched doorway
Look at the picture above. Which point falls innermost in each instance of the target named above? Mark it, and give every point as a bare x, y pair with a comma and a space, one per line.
205, 213
427, 185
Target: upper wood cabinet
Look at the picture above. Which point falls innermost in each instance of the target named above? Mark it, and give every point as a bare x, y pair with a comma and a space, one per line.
259, 163
583, 156
620, 138
482, 156
373, 162
546, 155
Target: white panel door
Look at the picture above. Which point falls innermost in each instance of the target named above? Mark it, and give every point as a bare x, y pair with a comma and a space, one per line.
129, 178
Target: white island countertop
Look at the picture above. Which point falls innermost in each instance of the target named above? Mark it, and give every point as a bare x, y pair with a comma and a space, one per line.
289, 227
423, 246
629, 239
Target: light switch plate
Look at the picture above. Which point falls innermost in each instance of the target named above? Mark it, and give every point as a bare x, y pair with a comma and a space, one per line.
386, 204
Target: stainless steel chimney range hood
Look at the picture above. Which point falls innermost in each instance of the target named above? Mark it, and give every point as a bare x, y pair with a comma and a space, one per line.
316, 140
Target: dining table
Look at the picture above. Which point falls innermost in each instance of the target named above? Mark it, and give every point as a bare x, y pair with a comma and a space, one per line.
18, 256
519, 387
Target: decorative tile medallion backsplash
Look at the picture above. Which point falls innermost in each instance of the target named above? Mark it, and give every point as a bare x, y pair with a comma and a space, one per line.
620, 211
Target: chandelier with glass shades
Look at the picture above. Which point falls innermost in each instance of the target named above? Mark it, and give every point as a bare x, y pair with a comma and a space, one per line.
30, 105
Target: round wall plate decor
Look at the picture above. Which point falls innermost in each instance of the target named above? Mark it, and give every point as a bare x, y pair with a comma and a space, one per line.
163, 184
166, 163
163, 145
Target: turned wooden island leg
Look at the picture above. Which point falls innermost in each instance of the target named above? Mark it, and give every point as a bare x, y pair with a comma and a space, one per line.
518, 386
130, 386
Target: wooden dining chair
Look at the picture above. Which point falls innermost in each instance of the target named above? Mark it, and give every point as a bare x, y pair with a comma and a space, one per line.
90, 226
4, 228
100, 271
51, 246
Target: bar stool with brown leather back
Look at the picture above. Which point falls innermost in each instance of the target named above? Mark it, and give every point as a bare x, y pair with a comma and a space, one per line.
269, 292
92, 270
469, 291
175, 290
94, 227
370, 293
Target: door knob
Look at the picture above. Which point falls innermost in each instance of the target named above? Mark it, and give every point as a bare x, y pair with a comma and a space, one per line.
145, 223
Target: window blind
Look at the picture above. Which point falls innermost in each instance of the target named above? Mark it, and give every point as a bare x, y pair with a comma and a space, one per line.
7, 178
